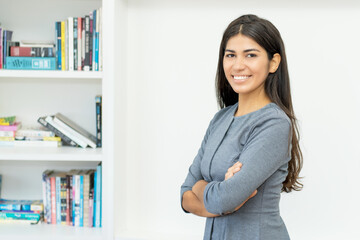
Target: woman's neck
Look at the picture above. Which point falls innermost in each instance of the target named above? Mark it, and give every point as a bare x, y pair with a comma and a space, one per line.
248, 104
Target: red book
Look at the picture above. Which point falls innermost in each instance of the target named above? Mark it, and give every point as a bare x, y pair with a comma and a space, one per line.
53, 200
21, 52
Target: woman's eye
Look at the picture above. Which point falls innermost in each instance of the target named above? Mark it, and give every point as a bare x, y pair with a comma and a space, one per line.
251, 55
230, 55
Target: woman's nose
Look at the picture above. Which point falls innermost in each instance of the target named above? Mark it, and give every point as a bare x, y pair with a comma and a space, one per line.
239, 63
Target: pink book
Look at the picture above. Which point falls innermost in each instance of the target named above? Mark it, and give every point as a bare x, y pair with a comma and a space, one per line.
53, 200
16, 126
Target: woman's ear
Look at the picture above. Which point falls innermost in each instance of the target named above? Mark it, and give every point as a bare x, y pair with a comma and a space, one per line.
275, 62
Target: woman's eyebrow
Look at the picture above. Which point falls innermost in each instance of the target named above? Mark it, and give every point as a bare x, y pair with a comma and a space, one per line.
245, 51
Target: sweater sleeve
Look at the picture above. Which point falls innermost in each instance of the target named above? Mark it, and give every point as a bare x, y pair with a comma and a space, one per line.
194, 173
266, 150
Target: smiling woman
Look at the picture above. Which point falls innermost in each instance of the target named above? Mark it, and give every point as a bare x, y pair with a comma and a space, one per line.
250, 152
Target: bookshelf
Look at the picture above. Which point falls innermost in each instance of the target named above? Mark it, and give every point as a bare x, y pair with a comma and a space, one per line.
31, 94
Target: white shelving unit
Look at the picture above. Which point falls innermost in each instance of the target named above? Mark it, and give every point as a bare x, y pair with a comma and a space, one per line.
31, 94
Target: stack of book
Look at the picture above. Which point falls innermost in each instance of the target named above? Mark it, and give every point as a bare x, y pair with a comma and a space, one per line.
70, 133
73, 198
21, 211
11, 134
78, 42
27, 55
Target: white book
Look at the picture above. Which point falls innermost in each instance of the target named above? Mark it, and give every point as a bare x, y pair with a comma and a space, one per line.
65, 131
66, 45
28, 143
71, 43
75, 129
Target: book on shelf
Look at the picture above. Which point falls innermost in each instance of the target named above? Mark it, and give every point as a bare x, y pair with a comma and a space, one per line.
0, 184
97, 196
31, 63
18, 51
74, 129
98, 106
12, 216
1, 47
35, 206
6, 38
64, 138
14, 127
77, 208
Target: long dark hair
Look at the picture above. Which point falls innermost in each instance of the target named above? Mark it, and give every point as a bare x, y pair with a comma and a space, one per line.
277, 84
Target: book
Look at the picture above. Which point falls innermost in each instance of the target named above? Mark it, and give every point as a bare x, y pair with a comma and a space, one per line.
75, 46
16, 126
5, 215
7, 36
98, 200
0, 184
30, 143
46, 195
71, 43
34, 133
65, 139
35, 206
7, 133
98, 105
79, 43
87, 44
88, 176
63, 63
67, 131
1, 45
37, 43
31, 63
31, 52
75, 129
78, 199
69, 199
58, 44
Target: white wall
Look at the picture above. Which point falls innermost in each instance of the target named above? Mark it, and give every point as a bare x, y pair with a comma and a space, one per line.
172, 50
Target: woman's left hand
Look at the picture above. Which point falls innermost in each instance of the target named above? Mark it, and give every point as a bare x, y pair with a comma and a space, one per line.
232, 170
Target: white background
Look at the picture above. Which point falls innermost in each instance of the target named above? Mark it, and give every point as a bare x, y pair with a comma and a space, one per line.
172, 51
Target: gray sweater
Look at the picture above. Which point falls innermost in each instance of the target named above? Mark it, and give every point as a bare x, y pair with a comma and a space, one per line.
260, 141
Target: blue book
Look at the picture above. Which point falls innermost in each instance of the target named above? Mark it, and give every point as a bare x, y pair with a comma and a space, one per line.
58, 200
94, 205
31, 63
19, 215
96, 56
98, 196
58, 43
81, 201
21, 205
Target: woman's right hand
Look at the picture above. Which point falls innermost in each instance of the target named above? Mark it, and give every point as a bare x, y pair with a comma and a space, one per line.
230, 173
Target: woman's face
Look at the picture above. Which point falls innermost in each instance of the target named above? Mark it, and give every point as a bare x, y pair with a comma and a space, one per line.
246, 65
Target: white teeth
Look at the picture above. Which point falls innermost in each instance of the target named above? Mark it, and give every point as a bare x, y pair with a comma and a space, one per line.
241, 77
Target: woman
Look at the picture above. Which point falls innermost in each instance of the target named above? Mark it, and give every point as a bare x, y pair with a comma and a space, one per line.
250, 152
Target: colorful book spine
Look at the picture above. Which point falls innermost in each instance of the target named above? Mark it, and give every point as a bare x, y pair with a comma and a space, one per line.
13, 127
87, 44
76, 200
63, 61
75, 33
31, 63
58, 200
79, 42
58, 44
7, 133
98, 101
1, 47
47, 213
70, 32
31, 51
81, 201
53, 199
63, 196
98, 211
19, 215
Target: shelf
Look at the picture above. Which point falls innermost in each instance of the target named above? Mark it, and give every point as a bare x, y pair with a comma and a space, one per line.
48, 231
50, 74
50, 154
